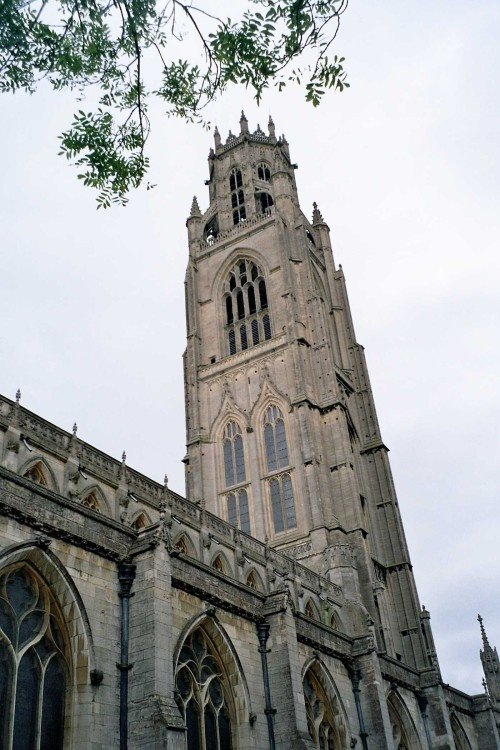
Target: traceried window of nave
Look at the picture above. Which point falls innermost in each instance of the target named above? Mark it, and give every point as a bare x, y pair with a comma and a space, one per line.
204, 695
246, 309
33, 664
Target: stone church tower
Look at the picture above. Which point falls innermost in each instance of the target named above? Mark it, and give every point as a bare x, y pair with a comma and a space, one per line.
282, 432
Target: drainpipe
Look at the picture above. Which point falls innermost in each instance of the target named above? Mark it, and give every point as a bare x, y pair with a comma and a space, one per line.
126, 575
263, 635
355, 675
422, 704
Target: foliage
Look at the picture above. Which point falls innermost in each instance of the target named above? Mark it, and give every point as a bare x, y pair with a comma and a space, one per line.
125, 51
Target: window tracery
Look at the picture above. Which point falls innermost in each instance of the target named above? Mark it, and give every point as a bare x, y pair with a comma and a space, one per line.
140, 522
247, 320
280, 486
203, 695
36, 474
322, 718
238, 513
33, 664
92, 501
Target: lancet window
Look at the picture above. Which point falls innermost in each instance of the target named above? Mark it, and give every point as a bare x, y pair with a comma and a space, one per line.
91, 501
204, 695
236, 501
246, 306
237, 196
280, 485
264, 202
33, 664
322, 722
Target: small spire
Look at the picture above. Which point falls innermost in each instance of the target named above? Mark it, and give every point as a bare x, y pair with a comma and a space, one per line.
165, 482
217, 138
317, 217
124, 457
18, 395
195, 209
243, 124
271, 128
75, 428
483, 632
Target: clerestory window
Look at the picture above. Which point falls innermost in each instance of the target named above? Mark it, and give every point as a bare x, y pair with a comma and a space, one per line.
324, 727
204, 695
246, 313
33, 664
237, 196
277, 465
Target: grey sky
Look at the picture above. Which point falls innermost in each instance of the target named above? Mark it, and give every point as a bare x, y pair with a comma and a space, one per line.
405, 168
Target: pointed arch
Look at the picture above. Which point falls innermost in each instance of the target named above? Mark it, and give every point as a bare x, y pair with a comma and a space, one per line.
228, 411
183, 543
38, 470
326, 715
311, 610
459, 734
141, 520
254, 580
70, 630
404, 732
226, 651
220, 562
93, 497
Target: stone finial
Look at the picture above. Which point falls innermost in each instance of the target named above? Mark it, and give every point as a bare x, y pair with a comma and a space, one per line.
217, 138
75, 428
165, 482
271, 128
18, 395
124, 457
243, 124
317, 218
195, 209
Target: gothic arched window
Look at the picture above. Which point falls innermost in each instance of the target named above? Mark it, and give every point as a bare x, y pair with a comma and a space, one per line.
280, 485
140, 522
33, 664
264, 202
204, 696
237, 196
234, 459
92, 501
323, 720
36, 474
238, 513
245, 301
237, 508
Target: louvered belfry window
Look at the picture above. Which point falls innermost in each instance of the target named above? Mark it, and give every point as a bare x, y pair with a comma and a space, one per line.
246, 310
278, 467
33, 664
237, 196
203, 695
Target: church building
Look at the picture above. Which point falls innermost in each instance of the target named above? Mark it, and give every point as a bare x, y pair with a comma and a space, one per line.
273, 608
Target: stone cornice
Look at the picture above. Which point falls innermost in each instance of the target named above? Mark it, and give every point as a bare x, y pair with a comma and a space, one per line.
59, 518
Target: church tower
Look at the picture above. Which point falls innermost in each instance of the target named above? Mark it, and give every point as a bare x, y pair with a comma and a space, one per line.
282, 433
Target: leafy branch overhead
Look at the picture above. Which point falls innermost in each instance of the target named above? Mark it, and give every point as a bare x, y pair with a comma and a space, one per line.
128, 51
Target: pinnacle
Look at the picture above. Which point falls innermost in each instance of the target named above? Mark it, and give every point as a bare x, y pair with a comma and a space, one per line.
317, 218
195, 209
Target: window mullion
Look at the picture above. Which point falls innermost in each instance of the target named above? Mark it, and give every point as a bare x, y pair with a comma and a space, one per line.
40, 704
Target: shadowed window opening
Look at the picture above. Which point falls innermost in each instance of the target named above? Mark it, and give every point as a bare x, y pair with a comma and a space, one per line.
36, 474
33, 664
204, 695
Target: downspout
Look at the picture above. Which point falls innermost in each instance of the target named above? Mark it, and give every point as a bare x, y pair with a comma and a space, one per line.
422, 704
126, 575
263, 635
355, 675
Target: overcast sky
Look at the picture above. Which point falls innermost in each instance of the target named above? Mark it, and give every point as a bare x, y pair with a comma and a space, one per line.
405, 167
